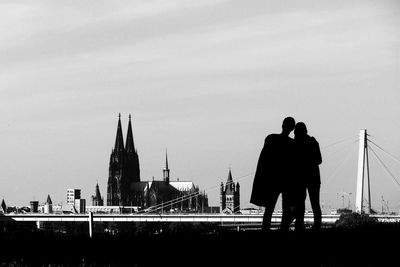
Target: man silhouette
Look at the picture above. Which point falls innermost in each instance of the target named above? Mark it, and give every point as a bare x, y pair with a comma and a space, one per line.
273, 172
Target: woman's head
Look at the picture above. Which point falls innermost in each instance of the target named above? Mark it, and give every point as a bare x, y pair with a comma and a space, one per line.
300, 129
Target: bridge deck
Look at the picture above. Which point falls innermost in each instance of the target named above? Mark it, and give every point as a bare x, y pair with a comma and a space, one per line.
216, 218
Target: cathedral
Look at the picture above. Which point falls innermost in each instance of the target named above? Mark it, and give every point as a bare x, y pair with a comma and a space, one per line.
123, 168
124, 187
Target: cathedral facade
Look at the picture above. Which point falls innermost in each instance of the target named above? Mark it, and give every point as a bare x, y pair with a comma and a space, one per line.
125, 188
123, 169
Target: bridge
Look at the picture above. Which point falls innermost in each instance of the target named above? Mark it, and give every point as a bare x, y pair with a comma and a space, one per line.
192, 218
154, 214
231, 220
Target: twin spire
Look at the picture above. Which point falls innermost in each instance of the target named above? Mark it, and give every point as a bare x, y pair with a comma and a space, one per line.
130, 146
119, 140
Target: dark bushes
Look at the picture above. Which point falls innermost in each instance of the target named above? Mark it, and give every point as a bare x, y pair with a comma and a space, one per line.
355, 220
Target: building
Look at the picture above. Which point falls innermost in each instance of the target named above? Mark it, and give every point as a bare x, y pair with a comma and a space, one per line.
230, 196
124, 187
123, 168
75, 202
34, 204
97, 200
3, 206
72, 195
80, 205
48, 206
110, 209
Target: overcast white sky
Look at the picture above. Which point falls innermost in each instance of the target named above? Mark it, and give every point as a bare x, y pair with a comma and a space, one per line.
207, 79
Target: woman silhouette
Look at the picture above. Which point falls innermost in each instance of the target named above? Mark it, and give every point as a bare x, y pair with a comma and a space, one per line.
307, 178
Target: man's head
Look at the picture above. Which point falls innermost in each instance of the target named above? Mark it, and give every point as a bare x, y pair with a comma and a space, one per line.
288, 125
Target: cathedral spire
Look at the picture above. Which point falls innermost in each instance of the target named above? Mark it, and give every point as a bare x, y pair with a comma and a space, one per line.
97, 193
166, 160
48, 201
230, 180
166, 170
130, 146
230, 186
97, 200
119, 140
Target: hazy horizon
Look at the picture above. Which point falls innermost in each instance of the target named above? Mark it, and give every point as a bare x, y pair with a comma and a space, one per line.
207, 80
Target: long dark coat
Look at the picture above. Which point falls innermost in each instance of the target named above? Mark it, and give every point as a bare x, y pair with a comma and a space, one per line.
273, 169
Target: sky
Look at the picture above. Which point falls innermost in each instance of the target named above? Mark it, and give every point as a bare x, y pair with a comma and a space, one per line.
206, 80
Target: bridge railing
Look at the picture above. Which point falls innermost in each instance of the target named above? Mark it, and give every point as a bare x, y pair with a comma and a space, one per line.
217, 218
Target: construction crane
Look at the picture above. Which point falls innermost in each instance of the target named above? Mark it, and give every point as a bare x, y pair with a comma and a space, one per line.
342, 194
385, 206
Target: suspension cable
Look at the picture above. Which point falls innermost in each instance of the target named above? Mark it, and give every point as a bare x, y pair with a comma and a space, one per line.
236, 208
384, 167
341, 149
392, 156
341, 163
340, 141
171, 202
181, 199
184, 198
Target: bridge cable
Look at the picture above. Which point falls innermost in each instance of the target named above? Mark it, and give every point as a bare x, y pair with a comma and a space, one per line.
171, 202
340, 141
341, 163
236, 208
392, 156
195, 194
340, 149
187, 197
181, 199
384, 167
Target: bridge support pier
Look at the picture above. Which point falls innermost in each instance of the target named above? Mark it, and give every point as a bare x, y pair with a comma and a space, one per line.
90, 224
362, 161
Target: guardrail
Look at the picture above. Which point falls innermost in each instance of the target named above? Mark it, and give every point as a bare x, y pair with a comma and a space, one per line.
221, 218
217, 218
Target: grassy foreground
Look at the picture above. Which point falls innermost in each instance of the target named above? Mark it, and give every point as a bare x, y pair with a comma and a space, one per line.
353, 242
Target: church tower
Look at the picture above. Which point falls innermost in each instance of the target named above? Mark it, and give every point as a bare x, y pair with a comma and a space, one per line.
124, 168
230, 195
222, 197
97, 200
117, 184
132, 160
166, 170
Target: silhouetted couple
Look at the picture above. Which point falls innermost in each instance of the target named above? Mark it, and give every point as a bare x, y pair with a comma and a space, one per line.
289, 167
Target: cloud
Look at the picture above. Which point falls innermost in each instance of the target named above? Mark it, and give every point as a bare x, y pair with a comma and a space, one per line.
220, 72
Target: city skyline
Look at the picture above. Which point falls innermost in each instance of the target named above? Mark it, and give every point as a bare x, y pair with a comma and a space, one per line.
206, 79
